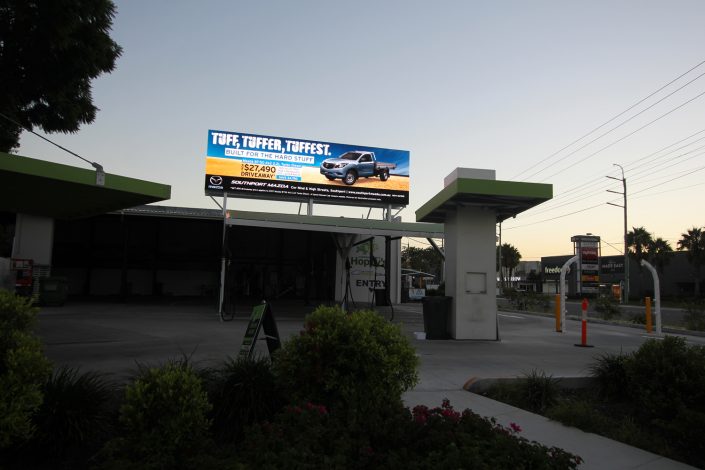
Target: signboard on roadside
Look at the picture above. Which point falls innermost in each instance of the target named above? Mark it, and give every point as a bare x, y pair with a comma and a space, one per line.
282, 168
261, 317
587, 247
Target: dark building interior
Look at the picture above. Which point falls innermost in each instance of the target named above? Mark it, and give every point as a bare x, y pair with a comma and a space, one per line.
127, 256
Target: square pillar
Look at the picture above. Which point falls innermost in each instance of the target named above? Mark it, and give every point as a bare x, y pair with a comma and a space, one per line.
470, 204
470, 272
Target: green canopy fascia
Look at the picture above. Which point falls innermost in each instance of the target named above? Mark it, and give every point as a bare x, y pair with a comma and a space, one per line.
42, 188
506, 198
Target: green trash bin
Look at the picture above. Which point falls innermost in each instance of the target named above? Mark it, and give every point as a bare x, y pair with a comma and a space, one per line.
436, 315
53, 290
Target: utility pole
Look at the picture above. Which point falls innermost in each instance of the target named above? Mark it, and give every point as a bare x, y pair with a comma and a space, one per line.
626, 247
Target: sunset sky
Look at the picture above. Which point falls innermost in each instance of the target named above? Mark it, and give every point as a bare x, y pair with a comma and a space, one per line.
543, 91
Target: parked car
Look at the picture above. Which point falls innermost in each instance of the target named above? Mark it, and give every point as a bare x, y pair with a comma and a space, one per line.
355, 164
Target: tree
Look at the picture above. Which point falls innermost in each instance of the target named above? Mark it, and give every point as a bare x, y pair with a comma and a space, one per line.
693, 241
510, 260
659, 253
426, 260
50, 50
638, 241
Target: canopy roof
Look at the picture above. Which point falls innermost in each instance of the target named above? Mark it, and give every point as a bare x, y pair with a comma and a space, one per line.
506, 198
348, 225
49, 189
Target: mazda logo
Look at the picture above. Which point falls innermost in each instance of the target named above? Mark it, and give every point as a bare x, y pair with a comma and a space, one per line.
217, 180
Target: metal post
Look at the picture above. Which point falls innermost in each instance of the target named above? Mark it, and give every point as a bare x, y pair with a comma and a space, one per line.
561, 286
657, 295
309, 209
626, 247
558, 313
499, 256
222, 257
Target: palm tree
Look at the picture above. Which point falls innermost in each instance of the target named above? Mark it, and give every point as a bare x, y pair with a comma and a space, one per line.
510, 259
659, 253
638, 241
693, 241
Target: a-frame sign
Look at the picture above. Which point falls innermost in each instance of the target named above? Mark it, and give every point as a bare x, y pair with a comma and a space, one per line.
261, 317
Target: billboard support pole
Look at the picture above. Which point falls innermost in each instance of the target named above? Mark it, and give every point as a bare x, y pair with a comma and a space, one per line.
389, 213
222, 257
309, 209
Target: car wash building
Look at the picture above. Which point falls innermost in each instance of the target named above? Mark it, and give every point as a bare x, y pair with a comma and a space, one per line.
107, 243
96, 231
40, 199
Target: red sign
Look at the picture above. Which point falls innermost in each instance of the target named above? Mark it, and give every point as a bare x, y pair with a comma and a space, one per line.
23, 267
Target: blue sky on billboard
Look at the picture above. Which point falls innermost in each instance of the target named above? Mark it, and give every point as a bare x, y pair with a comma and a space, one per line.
510, 86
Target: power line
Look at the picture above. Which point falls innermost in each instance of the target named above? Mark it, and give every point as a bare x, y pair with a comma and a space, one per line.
601, 204
588, 187
669, 190
628, 135
617, 116
670, 164
557, 217
672, 179
584, 187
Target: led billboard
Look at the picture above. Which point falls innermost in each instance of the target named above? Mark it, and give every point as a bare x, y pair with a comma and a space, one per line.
265, 167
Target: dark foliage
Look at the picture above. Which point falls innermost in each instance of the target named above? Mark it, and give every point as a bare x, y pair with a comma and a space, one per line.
242, 392
50, 50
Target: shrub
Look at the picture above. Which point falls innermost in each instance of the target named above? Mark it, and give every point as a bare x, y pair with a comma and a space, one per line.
446, 438
580, 414
301, 436
75, 419
607, 307
667, 380
23, 368
538, 391
242, 392
307, 437
695, 316
667, 376
610, 376
164, 420
354, 363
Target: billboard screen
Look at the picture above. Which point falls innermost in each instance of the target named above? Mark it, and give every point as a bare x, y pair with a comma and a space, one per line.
265, 167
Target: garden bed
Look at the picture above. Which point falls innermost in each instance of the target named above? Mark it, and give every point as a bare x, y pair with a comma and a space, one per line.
653, 399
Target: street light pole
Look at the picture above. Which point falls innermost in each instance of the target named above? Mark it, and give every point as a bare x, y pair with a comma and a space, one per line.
626, 246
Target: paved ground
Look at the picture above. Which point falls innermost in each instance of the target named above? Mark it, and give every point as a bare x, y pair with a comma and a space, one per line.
113, 338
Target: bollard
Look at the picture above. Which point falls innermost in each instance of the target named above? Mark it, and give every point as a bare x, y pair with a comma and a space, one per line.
558, 314
583, 335
649, 328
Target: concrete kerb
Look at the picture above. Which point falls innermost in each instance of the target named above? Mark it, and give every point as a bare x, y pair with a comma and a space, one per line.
482, 385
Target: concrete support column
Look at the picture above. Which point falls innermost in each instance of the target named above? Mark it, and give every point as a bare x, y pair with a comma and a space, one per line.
34, 239
470, 272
